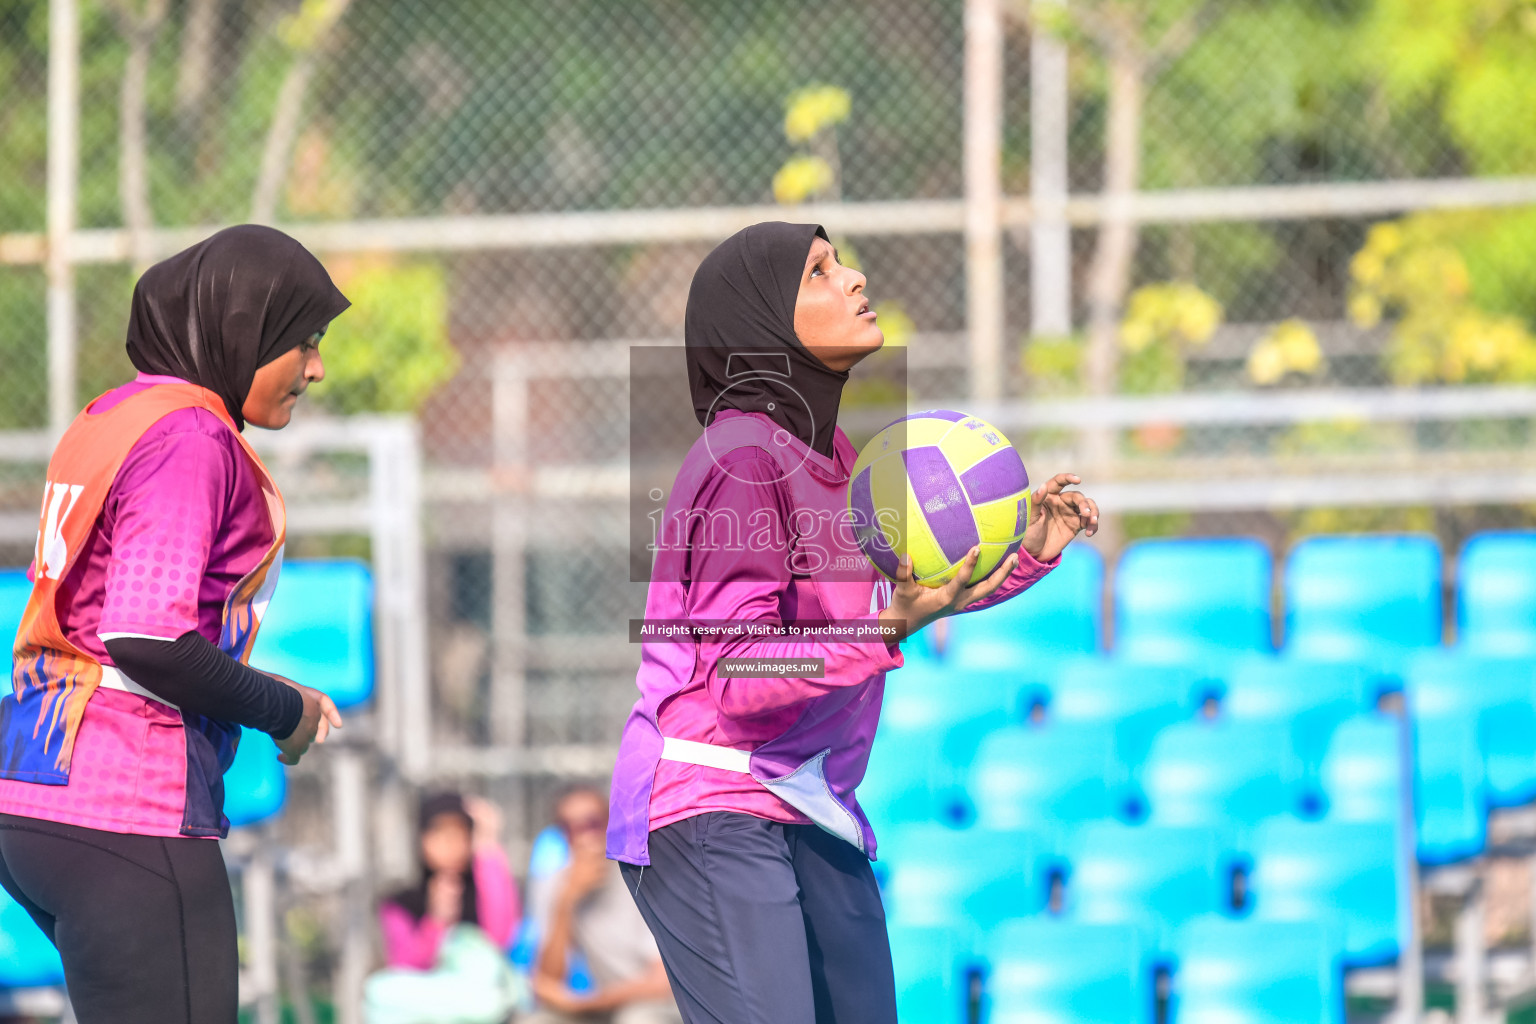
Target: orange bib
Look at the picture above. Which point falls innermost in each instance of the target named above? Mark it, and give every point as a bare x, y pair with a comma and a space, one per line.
53, 679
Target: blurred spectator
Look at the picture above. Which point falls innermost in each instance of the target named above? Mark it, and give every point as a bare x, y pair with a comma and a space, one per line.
445, 938
587, 908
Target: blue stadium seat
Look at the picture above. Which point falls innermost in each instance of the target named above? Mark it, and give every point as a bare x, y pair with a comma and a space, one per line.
1496, 595
907, 780
959, 879
1257, 972
1192, 601
1368, 599
256, 784
1312, 698
1347, 873
27, 958
1048, 971
1282, 688
1063, 614
1155, 878
14, 591
932, 720
1362, 773
1217, 773
318, 629
1136, 699
930, 974
1044, 777
922, 647
1498, 694
1450, 793
938, 697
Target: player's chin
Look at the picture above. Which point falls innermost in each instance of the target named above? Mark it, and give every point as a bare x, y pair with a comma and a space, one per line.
871, 337
277, 417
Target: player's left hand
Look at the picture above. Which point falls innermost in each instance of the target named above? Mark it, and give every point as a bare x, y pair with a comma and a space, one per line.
1059, 515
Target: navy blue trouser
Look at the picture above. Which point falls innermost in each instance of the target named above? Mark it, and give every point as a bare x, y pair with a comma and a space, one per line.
763, 923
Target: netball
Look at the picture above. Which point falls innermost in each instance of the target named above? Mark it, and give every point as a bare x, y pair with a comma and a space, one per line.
933, 485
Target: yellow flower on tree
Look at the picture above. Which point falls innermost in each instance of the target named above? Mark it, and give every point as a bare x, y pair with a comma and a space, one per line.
811, 110
801, 178
1291, 347
1177, 313
1162, 322
1413, 271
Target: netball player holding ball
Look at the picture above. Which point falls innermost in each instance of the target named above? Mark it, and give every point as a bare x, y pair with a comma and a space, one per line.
159, 543
734, 812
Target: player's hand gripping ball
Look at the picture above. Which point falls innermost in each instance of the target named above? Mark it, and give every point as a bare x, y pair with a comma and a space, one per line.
933, 485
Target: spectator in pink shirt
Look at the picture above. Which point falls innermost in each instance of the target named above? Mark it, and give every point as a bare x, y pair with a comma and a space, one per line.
446, 936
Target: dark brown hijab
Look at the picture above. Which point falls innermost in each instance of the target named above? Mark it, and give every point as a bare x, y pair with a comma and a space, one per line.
740, 335
214, 313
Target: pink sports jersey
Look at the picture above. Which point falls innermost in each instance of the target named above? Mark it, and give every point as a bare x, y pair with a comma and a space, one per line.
733, 469
184, 522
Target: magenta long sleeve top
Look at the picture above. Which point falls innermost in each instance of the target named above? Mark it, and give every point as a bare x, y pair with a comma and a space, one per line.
684, 696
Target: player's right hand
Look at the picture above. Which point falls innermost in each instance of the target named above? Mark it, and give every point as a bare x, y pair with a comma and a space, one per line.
319, 718
917, 605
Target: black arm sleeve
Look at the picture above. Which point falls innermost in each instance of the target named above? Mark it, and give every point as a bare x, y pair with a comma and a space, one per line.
196, 676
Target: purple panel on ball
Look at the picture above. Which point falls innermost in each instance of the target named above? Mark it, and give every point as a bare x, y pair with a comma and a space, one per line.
942, 500
996, 476
866, 527
1021, 519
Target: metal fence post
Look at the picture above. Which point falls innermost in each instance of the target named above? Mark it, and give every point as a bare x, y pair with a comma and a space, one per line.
509, 621
349, 795
984, 316
1410, 973
259, 889
1050, 238
63, 185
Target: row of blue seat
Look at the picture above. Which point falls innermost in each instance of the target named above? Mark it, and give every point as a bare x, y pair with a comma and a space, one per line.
1106, 738
1346, 875
1154, 785
1051, 971
1345, 597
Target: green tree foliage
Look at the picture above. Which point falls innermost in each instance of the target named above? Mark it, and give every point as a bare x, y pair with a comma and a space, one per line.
390, 350
1458, 284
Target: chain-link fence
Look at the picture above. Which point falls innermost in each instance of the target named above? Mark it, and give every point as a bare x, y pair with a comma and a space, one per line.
1255, 205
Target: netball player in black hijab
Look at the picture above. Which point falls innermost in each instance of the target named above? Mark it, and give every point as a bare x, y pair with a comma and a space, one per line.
743, 348
147, 594
734, 814
216, 313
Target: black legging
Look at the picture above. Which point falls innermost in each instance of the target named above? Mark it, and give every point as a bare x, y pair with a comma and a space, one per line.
145, 925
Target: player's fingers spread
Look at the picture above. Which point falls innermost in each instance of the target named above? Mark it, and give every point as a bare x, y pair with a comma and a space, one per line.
332, 715
1059, 482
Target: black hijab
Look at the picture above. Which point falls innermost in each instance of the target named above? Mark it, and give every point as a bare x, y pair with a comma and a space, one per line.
414, 898
740, 335
236, 301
